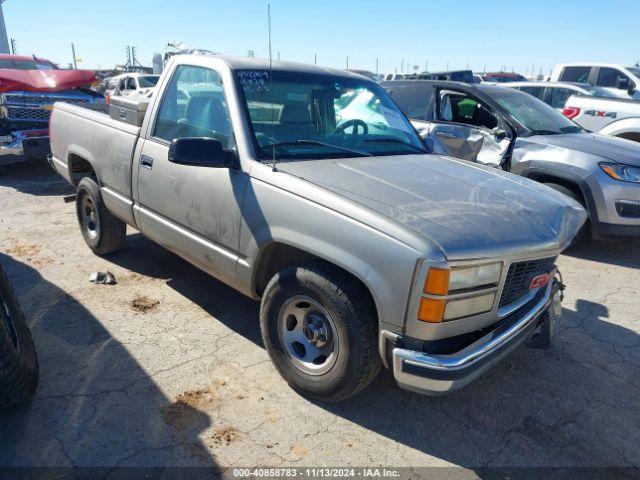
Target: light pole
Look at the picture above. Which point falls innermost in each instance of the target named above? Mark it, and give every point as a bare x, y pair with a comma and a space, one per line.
4, 42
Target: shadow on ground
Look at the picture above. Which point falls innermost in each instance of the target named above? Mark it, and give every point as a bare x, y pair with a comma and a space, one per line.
34, 177
576, 404
621, 252
95, 405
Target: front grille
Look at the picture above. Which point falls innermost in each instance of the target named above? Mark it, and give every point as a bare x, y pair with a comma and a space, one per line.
24, 113
39, 100
519, 278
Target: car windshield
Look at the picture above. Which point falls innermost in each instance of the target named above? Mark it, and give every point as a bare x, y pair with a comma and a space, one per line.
297, 115
26, 65
635, 71
600, 92
148, 81
534, 115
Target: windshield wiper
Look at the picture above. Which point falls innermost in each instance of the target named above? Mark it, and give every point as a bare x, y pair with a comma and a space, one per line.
359, 153
396, 140
546, 132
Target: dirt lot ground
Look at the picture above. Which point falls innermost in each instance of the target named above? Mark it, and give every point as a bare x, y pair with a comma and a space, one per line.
167, 368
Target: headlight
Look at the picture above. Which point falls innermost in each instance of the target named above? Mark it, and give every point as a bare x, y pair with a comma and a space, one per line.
472, 277
441, 282
624, 173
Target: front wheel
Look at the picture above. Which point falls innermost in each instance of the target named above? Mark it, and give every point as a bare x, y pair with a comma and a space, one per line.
18, 361
320, 329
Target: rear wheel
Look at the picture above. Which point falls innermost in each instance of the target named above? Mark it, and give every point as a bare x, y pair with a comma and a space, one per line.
320, 329
102, 232
18, 361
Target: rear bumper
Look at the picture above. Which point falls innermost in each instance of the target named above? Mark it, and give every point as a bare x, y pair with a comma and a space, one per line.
23, 147
440, 374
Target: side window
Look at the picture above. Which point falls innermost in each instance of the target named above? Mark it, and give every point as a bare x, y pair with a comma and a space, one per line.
458, 108
575, 74
121, 84
559, 97
413, 101
608, 77
194, 105
131, 84
537, 92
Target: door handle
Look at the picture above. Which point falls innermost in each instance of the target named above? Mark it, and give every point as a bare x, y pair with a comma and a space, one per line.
146, 162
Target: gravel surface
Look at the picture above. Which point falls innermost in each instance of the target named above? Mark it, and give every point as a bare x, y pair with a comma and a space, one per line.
167, 368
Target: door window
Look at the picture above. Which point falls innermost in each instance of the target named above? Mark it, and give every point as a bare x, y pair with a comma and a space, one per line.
413, 100
194, 105
537, 92
131, 84
559, 96
576, 74
608, 77
459, 108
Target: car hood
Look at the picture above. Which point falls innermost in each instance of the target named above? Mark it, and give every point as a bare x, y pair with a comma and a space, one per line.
467, 210
44, 80
614, 149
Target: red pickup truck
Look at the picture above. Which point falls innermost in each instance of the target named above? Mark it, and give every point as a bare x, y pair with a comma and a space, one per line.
29, 86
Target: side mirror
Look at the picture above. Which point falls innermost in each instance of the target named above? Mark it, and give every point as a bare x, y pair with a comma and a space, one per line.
632, 89
622, 83
200, 152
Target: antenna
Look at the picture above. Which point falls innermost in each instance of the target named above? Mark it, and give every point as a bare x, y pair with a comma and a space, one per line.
273, 149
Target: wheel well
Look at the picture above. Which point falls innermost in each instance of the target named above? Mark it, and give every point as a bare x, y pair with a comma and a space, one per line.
276, 256
544, 178
635, 136
79, 168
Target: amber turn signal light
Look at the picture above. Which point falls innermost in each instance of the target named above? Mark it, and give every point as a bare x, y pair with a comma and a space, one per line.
431, 310
437, 282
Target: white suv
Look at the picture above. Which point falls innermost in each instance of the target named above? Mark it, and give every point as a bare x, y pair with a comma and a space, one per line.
623, 82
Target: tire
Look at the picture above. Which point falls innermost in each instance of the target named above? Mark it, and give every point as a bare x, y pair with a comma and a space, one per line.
102, 232
582, 233
327, 307
18, 361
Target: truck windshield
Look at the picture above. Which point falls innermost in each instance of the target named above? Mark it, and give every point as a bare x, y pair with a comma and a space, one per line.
298, 115
534, 115
26, 65
148, 81
635, 71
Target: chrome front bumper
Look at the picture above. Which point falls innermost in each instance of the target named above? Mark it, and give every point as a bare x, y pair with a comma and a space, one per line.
439, 374
23, 147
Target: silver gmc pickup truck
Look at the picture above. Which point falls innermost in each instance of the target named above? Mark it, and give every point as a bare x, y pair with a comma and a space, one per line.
308, 189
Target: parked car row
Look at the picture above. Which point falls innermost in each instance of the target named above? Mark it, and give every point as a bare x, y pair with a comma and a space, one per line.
378, 224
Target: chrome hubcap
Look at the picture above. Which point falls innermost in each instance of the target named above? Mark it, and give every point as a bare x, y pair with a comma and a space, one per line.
308, 334
89, 216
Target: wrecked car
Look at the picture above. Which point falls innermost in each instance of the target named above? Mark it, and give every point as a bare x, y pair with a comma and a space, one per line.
29, 86
514, 131
363, 249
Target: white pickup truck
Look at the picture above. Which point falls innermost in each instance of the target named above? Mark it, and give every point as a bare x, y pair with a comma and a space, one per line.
608, 116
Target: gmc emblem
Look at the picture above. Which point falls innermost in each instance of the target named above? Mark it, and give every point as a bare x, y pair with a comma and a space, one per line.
542, 280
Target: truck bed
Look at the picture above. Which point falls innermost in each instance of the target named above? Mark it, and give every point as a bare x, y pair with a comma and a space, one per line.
86, 134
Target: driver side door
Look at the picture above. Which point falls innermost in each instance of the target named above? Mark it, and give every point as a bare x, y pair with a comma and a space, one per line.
466, 128
194, 211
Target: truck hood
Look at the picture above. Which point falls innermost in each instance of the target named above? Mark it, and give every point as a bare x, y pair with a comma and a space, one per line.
44, 80
468, 211
614, 149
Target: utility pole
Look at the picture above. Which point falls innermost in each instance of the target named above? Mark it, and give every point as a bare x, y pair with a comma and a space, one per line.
315, 58
347, 62
73, 52
426, 66
14, 50
4, 42
376, 65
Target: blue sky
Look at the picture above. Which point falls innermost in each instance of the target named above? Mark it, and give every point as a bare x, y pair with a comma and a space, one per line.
476, 33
